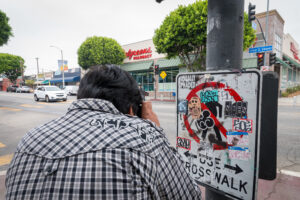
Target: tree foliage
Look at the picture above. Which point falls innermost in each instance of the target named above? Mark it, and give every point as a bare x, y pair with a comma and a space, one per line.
249, 33
183, 33
5, 29
98, 51
11, 66
29, 83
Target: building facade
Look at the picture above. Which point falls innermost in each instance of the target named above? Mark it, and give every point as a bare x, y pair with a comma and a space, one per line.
290, 56
285, 47
141, 57
71, 77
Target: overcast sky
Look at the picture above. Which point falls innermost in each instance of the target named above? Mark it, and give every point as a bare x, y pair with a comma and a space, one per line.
37, 24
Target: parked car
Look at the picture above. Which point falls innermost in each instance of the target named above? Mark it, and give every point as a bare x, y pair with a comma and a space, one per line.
49, 93
23, 89
12, 88
71, 89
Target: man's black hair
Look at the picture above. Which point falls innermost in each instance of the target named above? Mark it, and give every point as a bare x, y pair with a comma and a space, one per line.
111, 83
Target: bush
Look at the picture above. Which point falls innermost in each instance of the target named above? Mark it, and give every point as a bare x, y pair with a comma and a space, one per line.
284, 94
290, 91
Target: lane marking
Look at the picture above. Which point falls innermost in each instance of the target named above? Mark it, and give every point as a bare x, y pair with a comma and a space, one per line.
55, 103
5, 160
44, 103
30, 106
2, 145
10, 109
3, 173
290, 173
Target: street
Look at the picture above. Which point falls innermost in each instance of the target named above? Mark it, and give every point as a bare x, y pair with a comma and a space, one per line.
20, 113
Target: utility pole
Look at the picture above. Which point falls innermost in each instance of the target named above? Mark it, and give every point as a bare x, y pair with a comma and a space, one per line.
266, 31
63, 70
224, 45
22, 70
37, 65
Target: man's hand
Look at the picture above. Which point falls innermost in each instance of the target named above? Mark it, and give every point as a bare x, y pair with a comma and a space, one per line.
147, 112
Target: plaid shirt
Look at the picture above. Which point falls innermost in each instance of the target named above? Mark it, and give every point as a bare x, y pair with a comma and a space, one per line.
96, 152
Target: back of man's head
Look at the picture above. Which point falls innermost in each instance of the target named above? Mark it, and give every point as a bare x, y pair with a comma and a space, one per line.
111, 83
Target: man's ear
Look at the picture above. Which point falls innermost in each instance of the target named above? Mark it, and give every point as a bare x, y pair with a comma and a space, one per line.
131, 111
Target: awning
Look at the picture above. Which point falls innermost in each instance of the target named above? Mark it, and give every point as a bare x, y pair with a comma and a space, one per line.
45, 82
67, 79
283, 63
136, 66
248, 63
291, 61
168, 62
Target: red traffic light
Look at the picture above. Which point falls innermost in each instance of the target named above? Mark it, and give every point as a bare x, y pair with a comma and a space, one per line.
260, 55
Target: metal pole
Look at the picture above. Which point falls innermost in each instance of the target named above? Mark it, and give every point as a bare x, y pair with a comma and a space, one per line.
37, 65
267, 27
225, 34
22, 71
62, 59
224, 46
63, 68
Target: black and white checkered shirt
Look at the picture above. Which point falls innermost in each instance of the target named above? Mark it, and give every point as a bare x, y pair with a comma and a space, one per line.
96, 152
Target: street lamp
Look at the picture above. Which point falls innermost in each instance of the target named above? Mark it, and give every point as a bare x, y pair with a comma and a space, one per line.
62, 59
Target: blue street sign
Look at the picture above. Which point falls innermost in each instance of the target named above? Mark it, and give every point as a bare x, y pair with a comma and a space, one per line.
254, 25
260, 49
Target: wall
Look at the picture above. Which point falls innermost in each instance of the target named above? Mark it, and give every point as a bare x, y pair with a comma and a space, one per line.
288, 39
6, 82
275, 26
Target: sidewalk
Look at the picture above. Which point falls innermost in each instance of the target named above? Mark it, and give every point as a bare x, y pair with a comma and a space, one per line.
284, 187
295, 101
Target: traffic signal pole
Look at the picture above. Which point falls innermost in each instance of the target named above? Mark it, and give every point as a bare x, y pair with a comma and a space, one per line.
225, 34
224, 46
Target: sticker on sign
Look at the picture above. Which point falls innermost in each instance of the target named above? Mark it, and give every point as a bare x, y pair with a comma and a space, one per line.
218, 128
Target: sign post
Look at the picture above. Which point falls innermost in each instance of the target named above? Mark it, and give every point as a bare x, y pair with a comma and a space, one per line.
218, 125
163, 75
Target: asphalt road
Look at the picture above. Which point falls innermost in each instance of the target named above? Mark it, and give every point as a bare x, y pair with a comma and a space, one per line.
19, 113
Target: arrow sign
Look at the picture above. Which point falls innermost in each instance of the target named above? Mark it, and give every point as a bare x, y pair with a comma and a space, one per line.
188, 154
236, 168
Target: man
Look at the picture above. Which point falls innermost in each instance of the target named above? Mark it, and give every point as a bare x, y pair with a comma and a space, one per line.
100, 149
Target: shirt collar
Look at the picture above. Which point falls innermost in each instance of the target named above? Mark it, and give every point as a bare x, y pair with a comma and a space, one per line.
95, 105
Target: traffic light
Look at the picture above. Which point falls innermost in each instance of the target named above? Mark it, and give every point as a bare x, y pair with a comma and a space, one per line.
260, 59
272, 59
251, 13
156, 69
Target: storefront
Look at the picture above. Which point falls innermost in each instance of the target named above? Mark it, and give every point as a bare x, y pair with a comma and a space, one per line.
141, 57
290, 74
71, 77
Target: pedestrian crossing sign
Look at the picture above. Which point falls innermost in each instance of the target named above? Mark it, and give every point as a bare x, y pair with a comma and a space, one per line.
163, 74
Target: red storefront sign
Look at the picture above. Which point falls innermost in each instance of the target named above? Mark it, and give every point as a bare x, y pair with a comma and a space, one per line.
295, 51
139, 54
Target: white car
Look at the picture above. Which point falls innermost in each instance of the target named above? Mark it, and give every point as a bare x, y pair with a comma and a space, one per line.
49, 93
25, 89
71, 89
